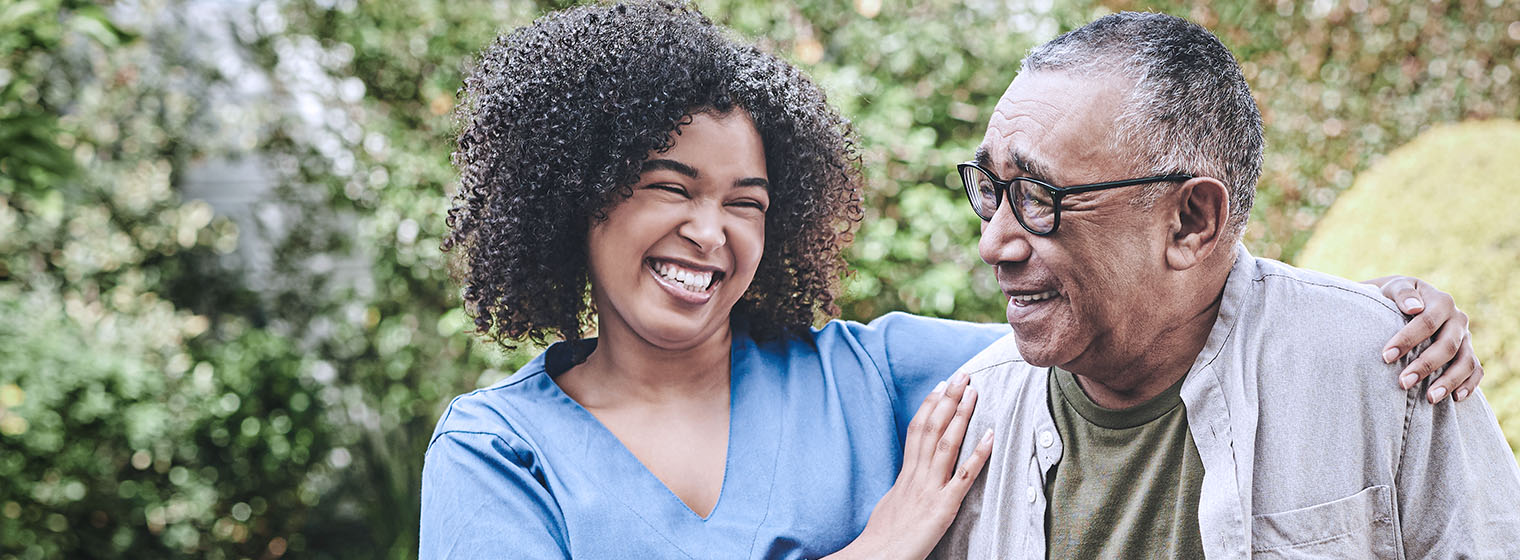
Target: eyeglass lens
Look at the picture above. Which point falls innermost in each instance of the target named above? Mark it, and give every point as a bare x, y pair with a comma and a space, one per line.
1031, 201
981, 191
1033, 204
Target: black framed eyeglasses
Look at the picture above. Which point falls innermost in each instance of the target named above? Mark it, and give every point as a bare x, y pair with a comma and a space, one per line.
1036, 204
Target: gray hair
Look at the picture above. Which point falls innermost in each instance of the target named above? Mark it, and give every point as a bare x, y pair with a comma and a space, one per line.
1189, 110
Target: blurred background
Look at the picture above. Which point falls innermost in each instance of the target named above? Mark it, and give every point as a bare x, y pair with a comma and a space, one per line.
226, 329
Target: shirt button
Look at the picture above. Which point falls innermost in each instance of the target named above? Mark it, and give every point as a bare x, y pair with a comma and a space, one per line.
1033, 494
1046, 439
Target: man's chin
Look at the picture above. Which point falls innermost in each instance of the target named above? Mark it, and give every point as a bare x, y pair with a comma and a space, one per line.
1038, 350
1040, 347
1038, 360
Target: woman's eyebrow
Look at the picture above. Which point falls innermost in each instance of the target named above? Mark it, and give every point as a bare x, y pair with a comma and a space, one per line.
753, 182
669, 165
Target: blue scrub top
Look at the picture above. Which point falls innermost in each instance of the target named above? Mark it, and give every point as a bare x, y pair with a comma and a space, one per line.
520, 470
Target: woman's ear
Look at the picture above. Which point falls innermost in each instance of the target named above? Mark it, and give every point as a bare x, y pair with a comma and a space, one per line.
1200, 222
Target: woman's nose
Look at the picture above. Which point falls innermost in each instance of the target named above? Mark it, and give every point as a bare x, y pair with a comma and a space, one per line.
705, 228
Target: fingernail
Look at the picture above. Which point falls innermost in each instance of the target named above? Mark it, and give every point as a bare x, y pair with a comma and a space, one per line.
959, 377
1390, 354
1436, 394
1408, 380
986, 437
1462, 394
941, 387
1413, 304
968, 395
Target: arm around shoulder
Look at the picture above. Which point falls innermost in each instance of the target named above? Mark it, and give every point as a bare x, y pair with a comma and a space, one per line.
1458, 483
483, 497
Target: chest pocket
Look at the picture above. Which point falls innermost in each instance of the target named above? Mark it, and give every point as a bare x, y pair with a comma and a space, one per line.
1357, 526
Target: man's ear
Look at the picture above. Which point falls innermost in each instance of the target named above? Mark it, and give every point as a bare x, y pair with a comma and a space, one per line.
1200, 222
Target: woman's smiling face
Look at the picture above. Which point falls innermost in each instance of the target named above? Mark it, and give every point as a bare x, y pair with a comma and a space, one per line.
669, 262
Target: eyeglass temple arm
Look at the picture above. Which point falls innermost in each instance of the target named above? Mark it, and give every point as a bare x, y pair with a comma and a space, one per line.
1115, 184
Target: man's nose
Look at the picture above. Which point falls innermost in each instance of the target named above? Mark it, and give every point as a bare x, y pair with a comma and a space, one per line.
704, 228
1003, 239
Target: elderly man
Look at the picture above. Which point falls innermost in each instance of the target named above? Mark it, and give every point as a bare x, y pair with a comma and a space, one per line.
1169, 394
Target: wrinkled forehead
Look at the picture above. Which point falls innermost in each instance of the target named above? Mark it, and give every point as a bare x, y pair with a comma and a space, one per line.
1048, 122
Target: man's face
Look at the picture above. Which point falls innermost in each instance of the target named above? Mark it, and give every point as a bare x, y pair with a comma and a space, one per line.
1080, 296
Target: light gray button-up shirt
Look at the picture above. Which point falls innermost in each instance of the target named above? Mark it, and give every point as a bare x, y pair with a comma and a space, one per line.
1310, 449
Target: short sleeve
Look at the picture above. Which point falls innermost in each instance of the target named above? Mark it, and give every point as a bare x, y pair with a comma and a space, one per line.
483, 497
915, 353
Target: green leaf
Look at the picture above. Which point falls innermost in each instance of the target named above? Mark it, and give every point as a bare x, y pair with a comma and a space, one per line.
15, 16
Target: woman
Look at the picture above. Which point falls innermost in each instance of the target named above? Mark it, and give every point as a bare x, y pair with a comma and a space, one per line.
702, 189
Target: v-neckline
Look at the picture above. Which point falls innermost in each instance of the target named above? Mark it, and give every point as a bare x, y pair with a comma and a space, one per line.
610, 440
753, 445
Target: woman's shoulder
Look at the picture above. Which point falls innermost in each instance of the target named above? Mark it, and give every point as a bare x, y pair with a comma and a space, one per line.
907, 323
905, 333
509, 410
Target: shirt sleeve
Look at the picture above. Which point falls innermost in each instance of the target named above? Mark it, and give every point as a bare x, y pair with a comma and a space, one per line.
1458, 483
915, 353
483, 497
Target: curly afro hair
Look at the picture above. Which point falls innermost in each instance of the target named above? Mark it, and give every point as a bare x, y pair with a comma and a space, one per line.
556, 121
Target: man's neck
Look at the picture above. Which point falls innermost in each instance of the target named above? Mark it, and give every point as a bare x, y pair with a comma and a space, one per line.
1125, 384
1140, 371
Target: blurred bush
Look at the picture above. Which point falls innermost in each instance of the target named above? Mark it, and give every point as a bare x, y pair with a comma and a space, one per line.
120, 443
104, 108
1443, 208
132, 426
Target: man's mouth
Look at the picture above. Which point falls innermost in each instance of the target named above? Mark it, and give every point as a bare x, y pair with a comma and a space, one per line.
1026, 299
685, 277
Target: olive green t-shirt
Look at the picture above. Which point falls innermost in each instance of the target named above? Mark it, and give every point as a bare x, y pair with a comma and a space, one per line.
1128, 480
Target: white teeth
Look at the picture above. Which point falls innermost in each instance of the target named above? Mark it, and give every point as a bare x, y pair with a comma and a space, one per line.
689, 279
1036, 297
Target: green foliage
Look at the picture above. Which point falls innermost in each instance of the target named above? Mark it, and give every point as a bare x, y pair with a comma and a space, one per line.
31, 154
398, 344
132, 425
138, 448
1442, 208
